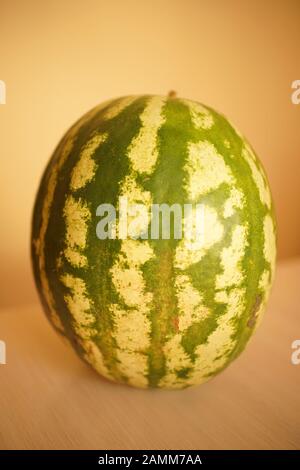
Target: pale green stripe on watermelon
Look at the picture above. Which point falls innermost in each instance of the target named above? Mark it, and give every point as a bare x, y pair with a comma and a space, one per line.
267, 277
80, 307
231, 258
206, 169
201, 116
257, 175
190, 303
143, 151
191, 309
188, 253
213, 354
118, 106
235, 200
77, 216
270, 243
132, 327
85, 168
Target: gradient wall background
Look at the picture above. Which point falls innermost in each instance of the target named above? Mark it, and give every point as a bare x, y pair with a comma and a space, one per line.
60, 58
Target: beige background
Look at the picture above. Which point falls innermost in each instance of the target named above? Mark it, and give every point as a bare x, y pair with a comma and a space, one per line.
60, 58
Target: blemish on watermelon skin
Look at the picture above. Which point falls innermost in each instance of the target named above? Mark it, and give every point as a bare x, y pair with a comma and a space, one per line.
253, 315
176, 323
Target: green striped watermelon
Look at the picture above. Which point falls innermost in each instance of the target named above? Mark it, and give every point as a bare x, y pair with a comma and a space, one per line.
154, 312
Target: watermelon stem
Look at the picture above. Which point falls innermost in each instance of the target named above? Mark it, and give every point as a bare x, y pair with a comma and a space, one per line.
172, 94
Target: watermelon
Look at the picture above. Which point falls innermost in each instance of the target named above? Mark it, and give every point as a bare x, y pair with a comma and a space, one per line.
154, 312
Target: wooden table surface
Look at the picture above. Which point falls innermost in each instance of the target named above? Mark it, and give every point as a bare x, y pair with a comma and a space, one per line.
51, 400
